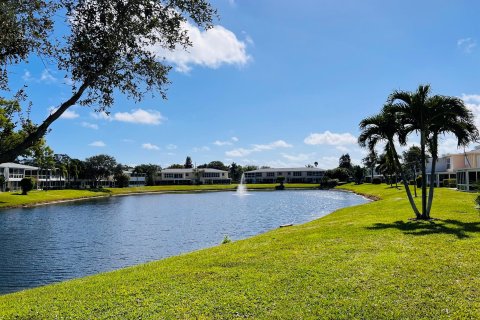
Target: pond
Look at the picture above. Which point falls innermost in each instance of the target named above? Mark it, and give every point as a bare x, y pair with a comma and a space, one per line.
53, 243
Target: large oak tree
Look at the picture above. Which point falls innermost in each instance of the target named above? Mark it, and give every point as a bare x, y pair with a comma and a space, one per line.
107, 47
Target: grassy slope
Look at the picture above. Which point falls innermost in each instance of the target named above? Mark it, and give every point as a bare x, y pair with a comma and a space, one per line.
366, 261
15, 199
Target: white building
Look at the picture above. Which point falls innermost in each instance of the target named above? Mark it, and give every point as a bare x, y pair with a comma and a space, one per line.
13, 173
292, 175
193, 176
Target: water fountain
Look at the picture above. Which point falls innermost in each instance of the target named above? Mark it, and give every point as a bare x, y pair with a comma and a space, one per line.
242, 187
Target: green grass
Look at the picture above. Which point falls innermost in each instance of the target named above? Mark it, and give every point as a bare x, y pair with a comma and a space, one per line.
364, 262
15, 199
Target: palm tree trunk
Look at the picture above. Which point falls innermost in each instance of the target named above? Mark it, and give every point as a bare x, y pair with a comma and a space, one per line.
405, 183
424, 175
432, 175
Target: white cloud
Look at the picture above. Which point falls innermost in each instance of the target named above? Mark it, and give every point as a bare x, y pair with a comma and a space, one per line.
150, 117
342, 148
89, 125
222, 143
212, 48
47, 77
150, 146
201, 149
140, 116
472, 102
68, 114
242, 152
27, 76
330, 138
234, 139
467, 44
171, 147
97, 144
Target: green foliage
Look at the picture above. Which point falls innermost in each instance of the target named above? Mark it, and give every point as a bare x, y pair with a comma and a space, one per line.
100, 167
342, 174
103, 46
345, 162
176, 166
2, 183
121, 180
376, 180
226, 239
27, 185
327, 183
188, 163
358, 174
450, 183
219, 165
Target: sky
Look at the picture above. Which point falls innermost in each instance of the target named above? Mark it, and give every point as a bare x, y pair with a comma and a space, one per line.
276, 83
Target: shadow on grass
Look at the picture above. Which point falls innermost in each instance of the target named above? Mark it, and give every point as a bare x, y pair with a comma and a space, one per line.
422, 228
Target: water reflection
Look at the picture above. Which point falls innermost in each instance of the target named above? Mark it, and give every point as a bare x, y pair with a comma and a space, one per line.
52, 243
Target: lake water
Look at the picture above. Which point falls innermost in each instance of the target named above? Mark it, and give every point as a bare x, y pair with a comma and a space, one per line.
52, 243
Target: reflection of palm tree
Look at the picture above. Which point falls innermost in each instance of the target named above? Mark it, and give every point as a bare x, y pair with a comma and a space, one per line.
431, 116
384, 127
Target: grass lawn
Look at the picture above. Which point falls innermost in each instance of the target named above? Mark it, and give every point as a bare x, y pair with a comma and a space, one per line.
365, 262
15, 199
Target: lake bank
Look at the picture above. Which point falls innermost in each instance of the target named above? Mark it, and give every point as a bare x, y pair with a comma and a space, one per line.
367, 261
9, 200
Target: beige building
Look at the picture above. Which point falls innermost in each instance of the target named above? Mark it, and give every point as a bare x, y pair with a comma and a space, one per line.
193, 176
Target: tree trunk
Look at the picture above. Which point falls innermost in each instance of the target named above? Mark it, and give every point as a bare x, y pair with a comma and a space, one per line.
424, 175
405, 183
432, 175
41, 130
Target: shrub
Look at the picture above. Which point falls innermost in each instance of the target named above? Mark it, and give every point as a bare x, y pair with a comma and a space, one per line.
449, 183
121, 180
226, 239
376, 180
329, 183
27, 185
411, 182
477, 201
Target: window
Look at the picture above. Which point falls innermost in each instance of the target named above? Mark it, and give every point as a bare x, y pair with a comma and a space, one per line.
448, 163
297, 174
249, 175
258, 174
211, 175
270, 174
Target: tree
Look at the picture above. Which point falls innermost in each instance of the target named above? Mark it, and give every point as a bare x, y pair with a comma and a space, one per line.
315, 164
107, 48
188, 163
25, 27
175, 166
150, 171
412, 160
100, 167
219, 165
358, 174
431, 116
27, 185
44, 158
345, 162
370, 162
384, 127
342, 174
236, 172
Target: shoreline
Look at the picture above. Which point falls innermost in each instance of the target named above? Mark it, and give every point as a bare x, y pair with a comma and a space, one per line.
107, 195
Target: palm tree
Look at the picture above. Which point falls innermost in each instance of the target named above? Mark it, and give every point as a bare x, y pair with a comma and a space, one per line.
449, 115
431, 116
384, 127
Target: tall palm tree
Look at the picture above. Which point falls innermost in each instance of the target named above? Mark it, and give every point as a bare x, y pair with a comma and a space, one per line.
411, 107
384, 127
449, 115
431, 116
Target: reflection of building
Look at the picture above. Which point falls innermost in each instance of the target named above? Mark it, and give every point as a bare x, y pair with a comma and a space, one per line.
193, 176
292, 175
464, 167
13, 173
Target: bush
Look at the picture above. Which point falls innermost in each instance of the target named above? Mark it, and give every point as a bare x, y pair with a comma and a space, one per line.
27, 185
376, 180
411, 182
329, 183
450, 183
121, 180
419, 181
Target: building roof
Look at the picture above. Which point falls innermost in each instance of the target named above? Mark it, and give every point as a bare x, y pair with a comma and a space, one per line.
12, 165
184, 170
302, 169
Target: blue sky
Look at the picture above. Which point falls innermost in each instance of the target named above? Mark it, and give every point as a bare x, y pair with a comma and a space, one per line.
276, 83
